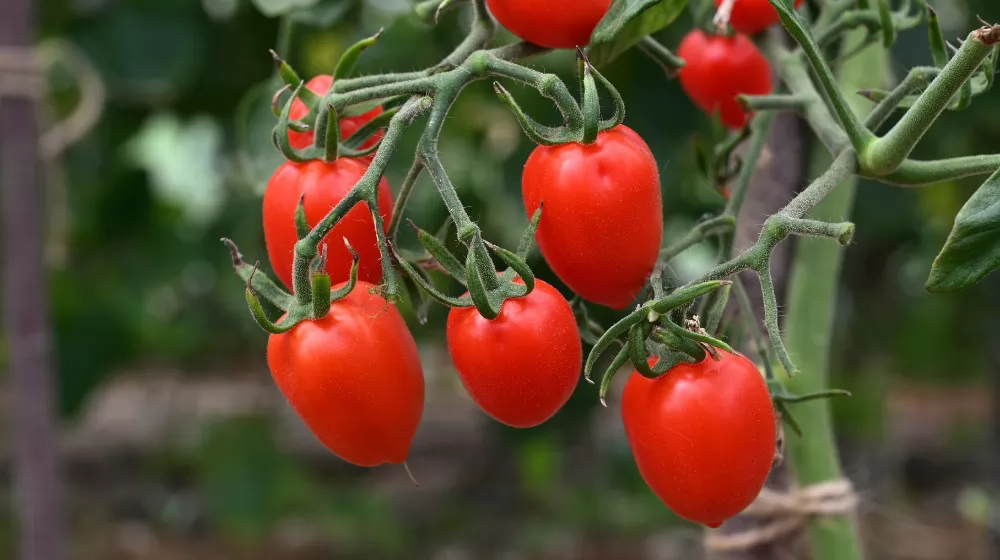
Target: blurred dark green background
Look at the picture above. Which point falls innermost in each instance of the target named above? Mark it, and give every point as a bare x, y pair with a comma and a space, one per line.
178, 446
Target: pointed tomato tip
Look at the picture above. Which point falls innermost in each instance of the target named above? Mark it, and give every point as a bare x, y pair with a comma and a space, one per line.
714, 525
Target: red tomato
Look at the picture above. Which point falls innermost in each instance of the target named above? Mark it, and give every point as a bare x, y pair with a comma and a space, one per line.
324, 184
718, 68
753, 16
703, 436
555, 24
521, 367
354, 377
602, 221
348, 125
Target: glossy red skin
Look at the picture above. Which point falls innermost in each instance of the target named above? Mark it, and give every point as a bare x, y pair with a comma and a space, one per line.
719, 68
348, 125
556, 24
753, 16
354, 377
703, 436
523, 366
324, 184
602, 221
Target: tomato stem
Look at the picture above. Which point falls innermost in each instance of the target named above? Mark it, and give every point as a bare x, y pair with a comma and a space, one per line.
886, 154
859, 136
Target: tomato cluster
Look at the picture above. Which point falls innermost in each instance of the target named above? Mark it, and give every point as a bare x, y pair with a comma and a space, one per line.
703, 434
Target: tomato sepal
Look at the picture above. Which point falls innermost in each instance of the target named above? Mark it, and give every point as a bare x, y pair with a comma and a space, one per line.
352, 280
590, 102
678, 298
424, 283
620, 359
638, 354
540, 134
279, 135
481, 275
440, 253
350, 58
291, 79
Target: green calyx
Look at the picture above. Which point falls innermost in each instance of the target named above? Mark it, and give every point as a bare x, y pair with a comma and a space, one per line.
298, 307
583, 123
651, 320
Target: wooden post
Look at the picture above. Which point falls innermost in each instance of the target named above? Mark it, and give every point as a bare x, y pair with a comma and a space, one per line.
25, 304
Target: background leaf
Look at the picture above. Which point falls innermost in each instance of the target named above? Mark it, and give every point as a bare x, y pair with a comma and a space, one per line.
324, 13
628, 21
272, 8
973, 247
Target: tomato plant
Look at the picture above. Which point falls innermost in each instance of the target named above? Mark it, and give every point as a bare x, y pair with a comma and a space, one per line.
603, 213
523, 366
366, 411
323, 185
718, 68
556, 24
348, 125
753, 16
702, 430
703, 435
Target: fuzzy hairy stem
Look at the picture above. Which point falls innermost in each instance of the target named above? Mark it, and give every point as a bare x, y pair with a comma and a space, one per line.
859, 135
889, 152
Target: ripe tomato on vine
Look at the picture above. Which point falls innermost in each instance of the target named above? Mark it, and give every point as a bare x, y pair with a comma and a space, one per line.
366, 411
556, 24
324, 184
718, 68
598, 199
752, 16
523, 366
703, 435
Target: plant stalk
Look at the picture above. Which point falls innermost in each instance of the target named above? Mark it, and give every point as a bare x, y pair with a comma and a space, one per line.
813, 458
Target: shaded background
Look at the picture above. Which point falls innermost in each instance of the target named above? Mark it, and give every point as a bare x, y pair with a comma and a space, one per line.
177, 445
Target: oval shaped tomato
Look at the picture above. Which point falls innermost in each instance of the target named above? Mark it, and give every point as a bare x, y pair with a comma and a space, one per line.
703, 435
602, 220
554, 24
324, 185
354, 377
521, 367
348, 125
753, 16
718, 68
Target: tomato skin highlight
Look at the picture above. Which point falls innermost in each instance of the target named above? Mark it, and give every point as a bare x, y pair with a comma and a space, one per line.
555, 24
523, 366
324, 185
703, 436
602, 217
354, 377
753, 16
348, 125
719, 68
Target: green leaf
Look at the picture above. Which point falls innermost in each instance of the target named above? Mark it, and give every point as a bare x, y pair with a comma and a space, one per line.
973, 248
626, 22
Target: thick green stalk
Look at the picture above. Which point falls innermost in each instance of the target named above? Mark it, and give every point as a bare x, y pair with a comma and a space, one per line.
811, 306
889, 152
